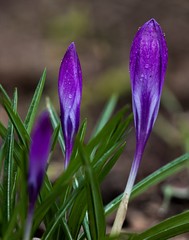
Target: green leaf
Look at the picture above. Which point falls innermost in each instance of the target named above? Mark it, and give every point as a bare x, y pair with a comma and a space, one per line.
58, 217
55, 122
3, 131
153, 179
2, 155
95, 206
108, 165
8, 175
168, 228
55, 137
18, 148
109, 138
103, 138
14, 117
46, 189
29, 120
105, 115
11, 225
98, 165
77, 214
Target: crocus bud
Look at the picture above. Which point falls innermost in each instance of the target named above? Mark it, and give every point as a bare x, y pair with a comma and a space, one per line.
148, 63
70, 93
38, 156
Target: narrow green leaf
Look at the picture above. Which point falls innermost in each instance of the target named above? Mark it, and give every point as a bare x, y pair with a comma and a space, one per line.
98, 165
54, 208
18, 148
8, 175
62, 183
29, 120
108, 129
107, 112
53, 226
168, 228
112, 135
55, 122
14, 117
108, 165
75, 220
95, 206
161, 174
55, 137
86, 228
153, 179
9, 234
3, 131
2, 155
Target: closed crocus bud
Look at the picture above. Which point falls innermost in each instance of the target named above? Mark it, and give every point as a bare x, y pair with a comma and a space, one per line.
148, 63
70, 93
38, 156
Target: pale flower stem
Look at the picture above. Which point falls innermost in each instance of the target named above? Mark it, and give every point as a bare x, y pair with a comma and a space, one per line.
122, 210
28, 226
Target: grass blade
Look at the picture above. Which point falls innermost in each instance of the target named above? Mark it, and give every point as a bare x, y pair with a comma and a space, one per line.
14, 117
55, 122
109, 108
95, 206
8, 175
153, 179
29, 120
168, 228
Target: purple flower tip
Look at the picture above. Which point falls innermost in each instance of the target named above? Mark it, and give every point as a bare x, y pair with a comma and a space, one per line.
38, 156
148, 63
70, 93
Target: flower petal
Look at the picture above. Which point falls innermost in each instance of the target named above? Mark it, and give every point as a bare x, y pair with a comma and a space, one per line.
148, 63
70, 93
38, 156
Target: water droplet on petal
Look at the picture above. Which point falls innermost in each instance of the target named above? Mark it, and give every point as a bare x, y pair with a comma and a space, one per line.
70, 96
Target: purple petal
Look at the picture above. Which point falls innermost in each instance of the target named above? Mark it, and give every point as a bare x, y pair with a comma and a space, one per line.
148, 63
38, 156
70, 93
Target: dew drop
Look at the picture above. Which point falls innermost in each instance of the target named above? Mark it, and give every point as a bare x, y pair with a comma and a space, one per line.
146, 66
70, 96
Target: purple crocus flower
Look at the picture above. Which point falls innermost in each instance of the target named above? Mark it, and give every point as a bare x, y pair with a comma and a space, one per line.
148, 63
70, 93
38, 156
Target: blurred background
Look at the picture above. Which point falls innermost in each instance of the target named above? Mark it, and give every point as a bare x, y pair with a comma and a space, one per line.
35, 34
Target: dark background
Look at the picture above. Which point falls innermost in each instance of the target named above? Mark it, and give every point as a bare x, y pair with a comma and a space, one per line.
35, 34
